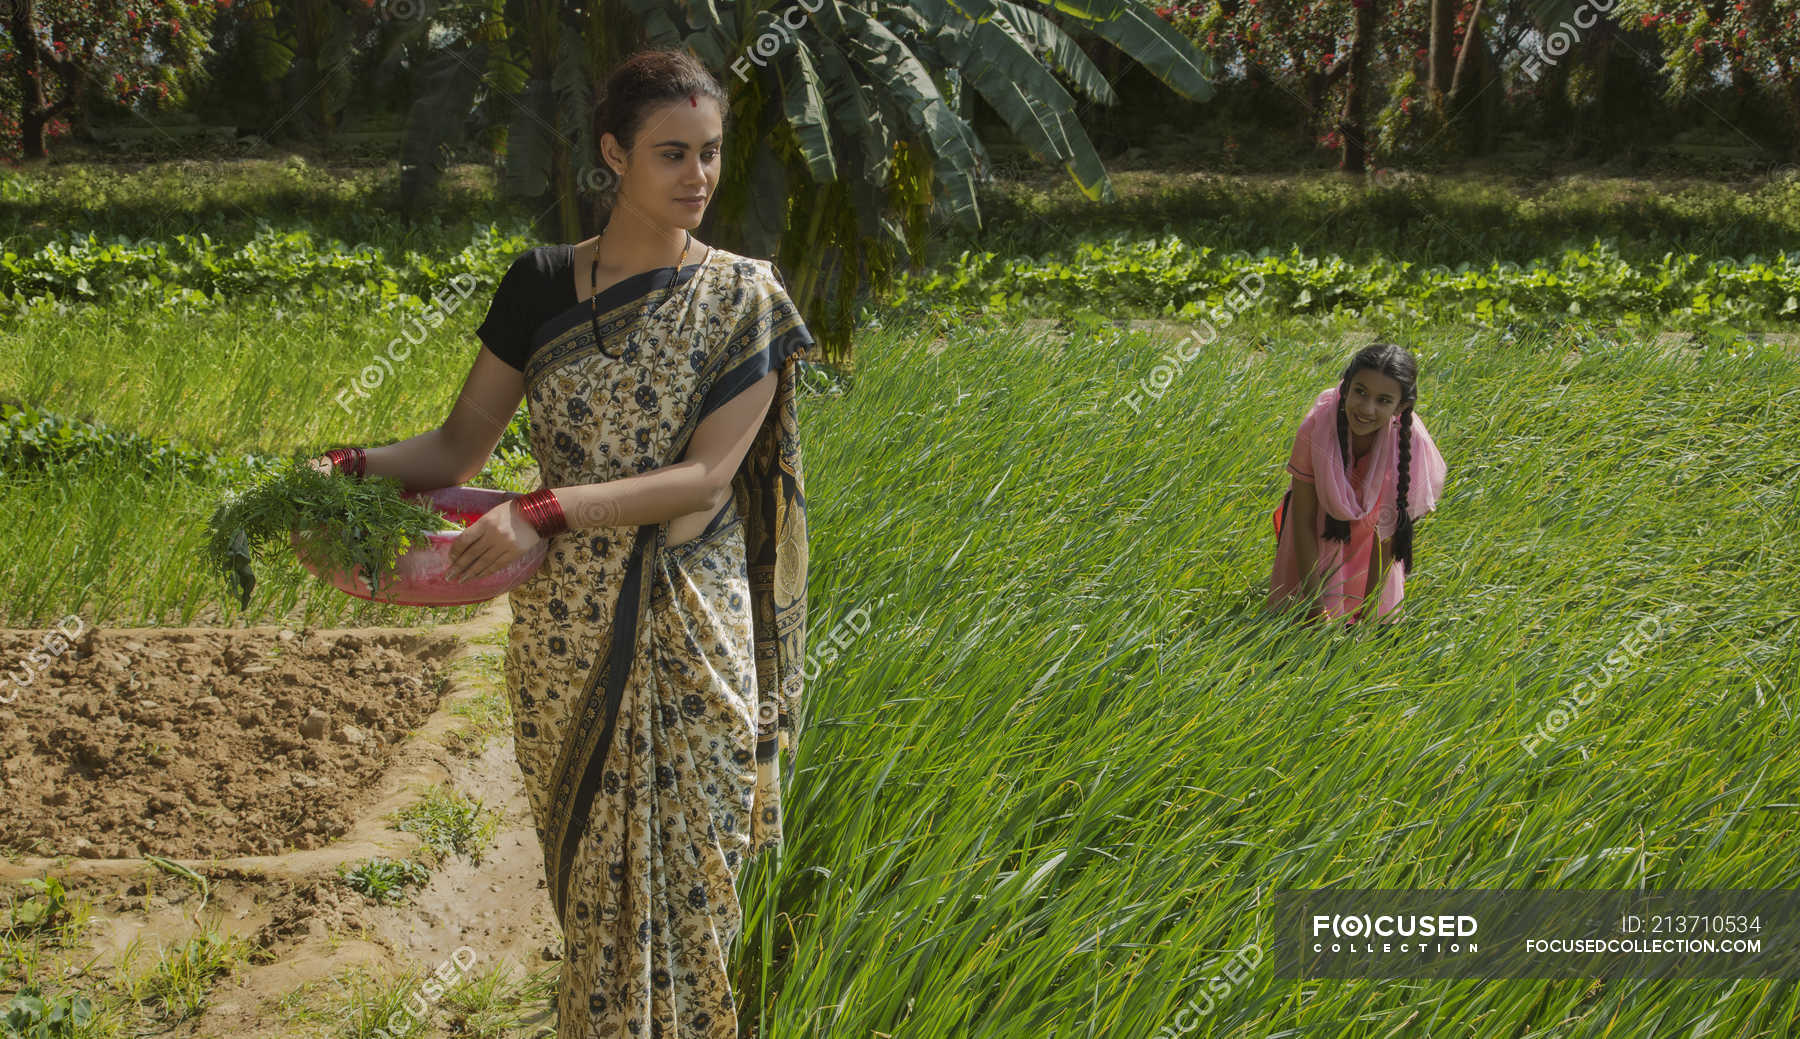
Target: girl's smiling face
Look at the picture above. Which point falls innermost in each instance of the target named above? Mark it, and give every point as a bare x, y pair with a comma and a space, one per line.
1373, 399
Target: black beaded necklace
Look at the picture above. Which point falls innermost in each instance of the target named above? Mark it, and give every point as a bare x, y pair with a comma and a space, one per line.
594, 301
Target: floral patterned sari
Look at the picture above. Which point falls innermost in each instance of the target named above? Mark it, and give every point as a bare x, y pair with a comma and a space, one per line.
654, 686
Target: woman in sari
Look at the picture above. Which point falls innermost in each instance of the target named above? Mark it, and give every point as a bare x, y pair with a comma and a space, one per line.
654, 661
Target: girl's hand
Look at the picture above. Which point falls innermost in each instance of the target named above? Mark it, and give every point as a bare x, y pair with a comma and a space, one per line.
491, 543
321, 464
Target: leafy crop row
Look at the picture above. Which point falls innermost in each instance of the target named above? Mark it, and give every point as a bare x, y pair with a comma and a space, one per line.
1157, 274
1169, 276
199, 272
32, 438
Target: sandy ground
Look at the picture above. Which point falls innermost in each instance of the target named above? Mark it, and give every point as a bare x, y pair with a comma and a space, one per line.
187, 742
81, 785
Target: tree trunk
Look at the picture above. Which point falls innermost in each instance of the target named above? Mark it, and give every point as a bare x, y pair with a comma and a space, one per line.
558, 220
1442, 53
1460, 77
33, 111
612, 33
1353, 124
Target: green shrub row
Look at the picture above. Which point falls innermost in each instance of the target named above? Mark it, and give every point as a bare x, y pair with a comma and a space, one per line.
33, 439
1169, 276
1161, 274
195, 271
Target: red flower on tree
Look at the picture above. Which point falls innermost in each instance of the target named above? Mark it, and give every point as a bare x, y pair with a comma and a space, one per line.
119, 42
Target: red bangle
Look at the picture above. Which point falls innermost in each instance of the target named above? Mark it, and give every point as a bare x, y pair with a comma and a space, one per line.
352, 460
543, 512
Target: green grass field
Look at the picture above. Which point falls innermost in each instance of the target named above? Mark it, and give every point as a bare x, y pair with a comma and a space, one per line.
1069, 758
1061, 758
118, 547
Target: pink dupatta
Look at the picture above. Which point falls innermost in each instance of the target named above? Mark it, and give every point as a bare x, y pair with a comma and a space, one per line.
1317, 443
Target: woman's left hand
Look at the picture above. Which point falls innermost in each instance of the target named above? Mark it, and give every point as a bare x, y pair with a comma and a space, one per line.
491, 543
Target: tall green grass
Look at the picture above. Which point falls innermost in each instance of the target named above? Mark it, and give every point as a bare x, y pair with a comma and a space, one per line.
117, 546
1057, 780
256, 375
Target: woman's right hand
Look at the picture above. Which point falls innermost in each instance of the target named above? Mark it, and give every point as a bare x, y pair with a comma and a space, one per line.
321, 464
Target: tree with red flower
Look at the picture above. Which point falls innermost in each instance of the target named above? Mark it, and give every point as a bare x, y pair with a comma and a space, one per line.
57, 55
1756, 43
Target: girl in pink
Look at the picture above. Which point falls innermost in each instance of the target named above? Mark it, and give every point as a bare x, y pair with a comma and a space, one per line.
1363, 469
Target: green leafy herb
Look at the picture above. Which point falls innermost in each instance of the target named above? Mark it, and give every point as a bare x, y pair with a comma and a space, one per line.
346, 524
34, 1015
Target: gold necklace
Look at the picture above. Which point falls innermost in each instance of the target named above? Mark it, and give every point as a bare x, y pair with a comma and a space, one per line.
594, 300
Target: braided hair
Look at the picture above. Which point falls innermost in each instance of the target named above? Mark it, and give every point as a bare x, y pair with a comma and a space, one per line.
1396, 363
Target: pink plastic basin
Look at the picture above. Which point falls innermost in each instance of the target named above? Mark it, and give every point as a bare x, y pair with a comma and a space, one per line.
420, 577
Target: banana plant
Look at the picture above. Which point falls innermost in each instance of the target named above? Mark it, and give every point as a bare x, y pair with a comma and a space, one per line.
313, 45
846, 131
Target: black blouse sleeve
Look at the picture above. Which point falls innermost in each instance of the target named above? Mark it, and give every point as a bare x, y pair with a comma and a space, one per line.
506, 330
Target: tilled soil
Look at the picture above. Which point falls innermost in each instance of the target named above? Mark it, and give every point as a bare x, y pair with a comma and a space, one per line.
201, 742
